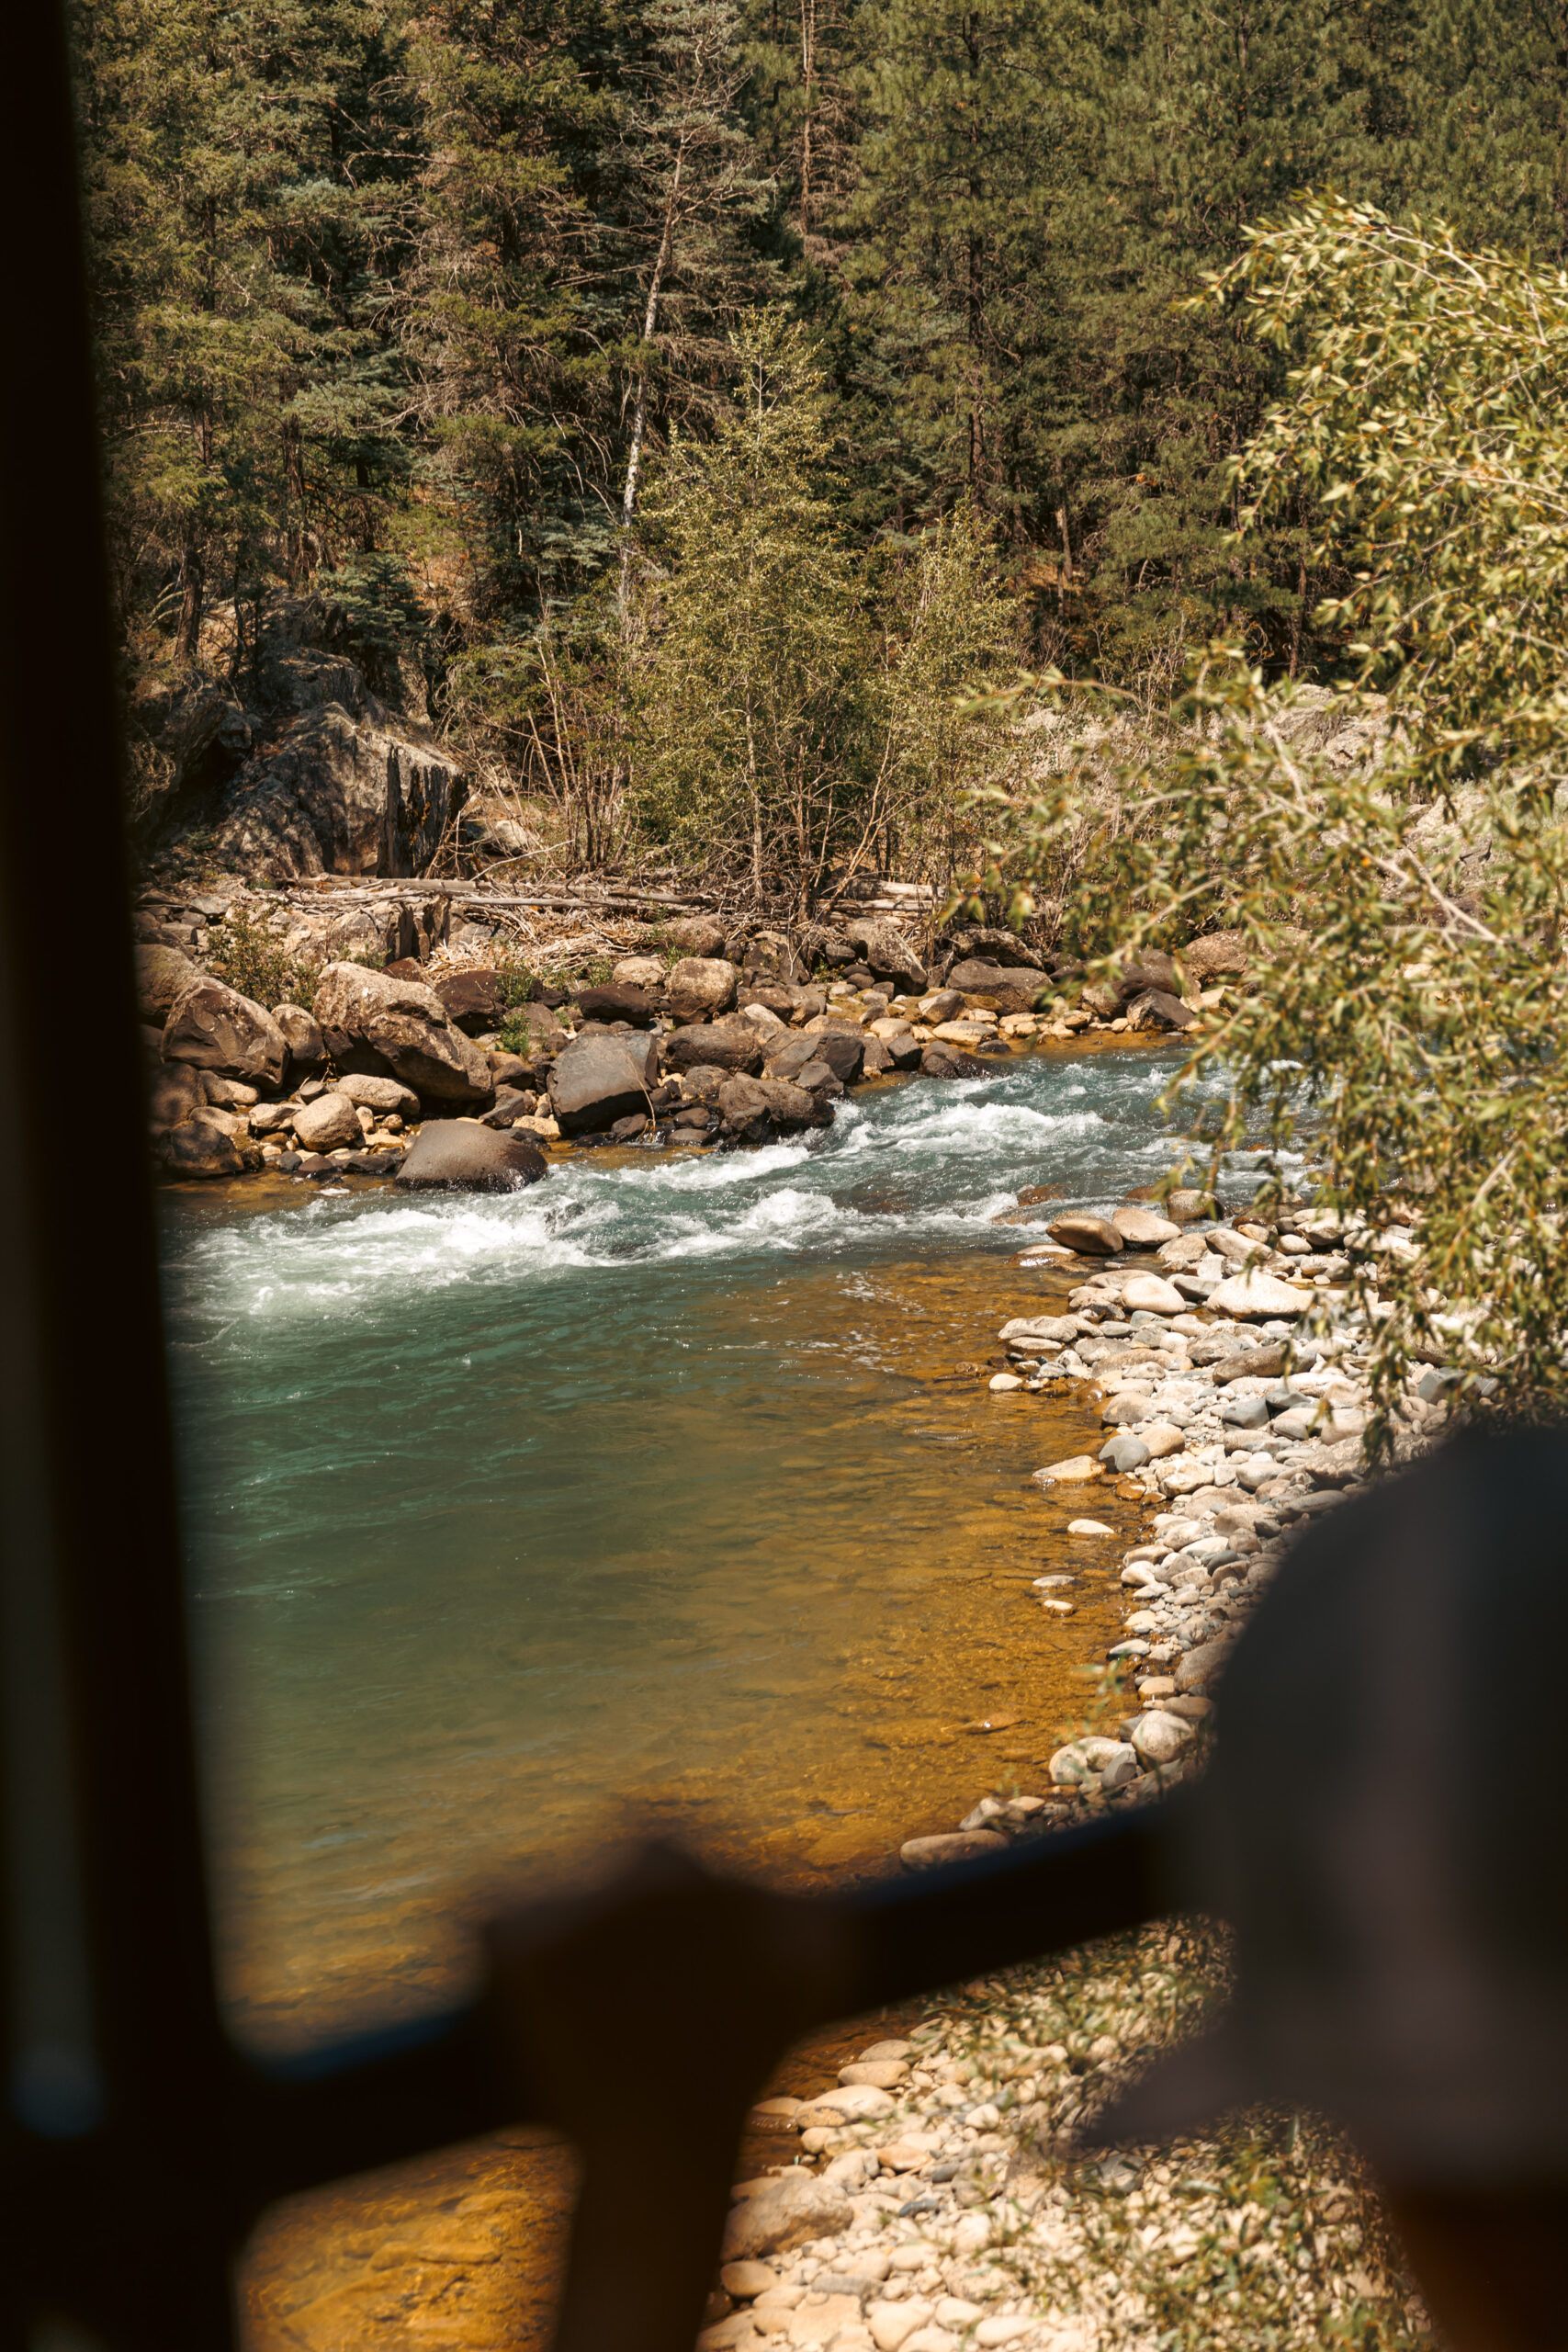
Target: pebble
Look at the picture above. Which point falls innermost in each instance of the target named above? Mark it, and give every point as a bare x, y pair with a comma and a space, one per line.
1074, 1471
1088, 1526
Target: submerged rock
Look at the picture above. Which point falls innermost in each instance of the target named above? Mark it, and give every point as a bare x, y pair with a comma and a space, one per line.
457, 1154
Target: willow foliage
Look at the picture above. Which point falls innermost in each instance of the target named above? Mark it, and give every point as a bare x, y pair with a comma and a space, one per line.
1407, 1001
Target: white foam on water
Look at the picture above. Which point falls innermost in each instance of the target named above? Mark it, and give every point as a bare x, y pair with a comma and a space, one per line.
908, 1165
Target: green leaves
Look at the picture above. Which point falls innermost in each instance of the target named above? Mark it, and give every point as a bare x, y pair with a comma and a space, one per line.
1398, 863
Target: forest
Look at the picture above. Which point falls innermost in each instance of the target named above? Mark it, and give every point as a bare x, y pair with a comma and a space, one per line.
697, 395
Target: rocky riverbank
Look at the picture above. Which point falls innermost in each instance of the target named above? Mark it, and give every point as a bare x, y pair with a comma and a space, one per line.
936, 2197
726, 1035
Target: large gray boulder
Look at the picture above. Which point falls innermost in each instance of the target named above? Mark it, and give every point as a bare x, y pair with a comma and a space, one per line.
884, 947
405, 1024
596, 1080
701, 986
213, 1027
755, 1108
459, 1155
1019, 981
302, 1034
161, 974
720, 1045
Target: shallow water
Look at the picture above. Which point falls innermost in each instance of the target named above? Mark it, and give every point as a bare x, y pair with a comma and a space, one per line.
672, 1485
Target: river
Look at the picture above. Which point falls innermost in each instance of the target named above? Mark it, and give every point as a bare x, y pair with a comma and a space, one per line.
669, 1492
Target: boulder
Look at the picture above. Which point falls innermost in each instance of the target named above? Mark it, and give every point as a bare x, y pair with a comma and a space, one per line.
213, 1027
511, 1103
699, 935
719, 1045
952, 1061
345, 788
596, 1080
175, 1093
1153, 1295
329, 1124
457, 1154
509, 1069
302, 1035
1157, 1008
1159, 1738
1223, 954
771, 954
883, 947
876, 1059
475, 1001
1091, 1237
620, 1002
1201, 1665
200, 1147
1103, 1002
1142, 1229
1023, 982
818, 1080
990, 944
161, 974
843, 1050
406, 1025
754, 1108
1125, 1452
785, 2212
1259, 1296
701, 986
382, 1095
639, 972
1152, 969
788, 1057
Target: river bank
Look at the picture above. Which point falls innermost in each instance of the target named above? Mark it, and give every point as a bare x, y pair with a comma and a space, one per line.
914, 2186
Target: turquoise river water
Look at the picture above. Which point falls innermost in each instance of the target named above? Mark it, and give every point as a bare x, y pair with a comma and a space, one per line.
669, 1491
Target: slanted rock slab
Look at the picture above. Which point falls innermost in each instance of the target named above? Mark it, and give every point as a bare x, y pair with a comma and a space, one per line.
1091, 1237
596, 1080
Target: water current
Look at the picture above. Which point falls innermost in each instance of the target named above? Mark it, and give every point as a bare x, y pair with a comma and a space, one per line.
670, 1489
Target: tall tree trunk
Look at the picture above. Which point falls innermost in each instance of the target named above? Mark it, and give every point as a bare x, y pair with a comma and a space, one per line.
639, 410
193, 597
808, 84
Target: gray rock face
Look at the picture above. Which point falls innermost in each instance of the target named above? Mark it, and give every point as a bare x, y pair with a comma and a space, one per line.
786, 2213
213, 1027
1125, 1452
161, 974
302, 1034
1222, 954
1157, 1008
790, 1057
405, 1024
885, 948
733, 1045
346, 790
701, 985
843, 1050
596, 1080
455, 1154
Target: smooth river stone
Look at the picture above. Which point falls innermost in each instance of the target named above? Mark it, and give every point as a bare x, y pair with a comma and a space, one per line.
949, 1846
784, 2213
1074, 1471
1142, 1229
1259, 1296
1153, 1294
1161, 1438
1092, 1236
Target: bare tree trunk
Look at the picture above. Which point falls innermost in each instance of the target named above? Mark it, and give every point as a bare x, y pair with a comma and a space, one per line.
193, 594
756, 804
639, 411
808, 81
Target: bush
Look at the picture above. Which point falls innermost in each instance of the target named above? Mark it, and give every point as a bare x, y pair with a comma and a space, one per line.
250, 956
1407, 994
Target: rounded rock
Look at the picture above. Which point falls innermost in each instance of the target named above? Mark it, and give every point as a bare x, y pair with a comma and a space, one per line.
1091, 1237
